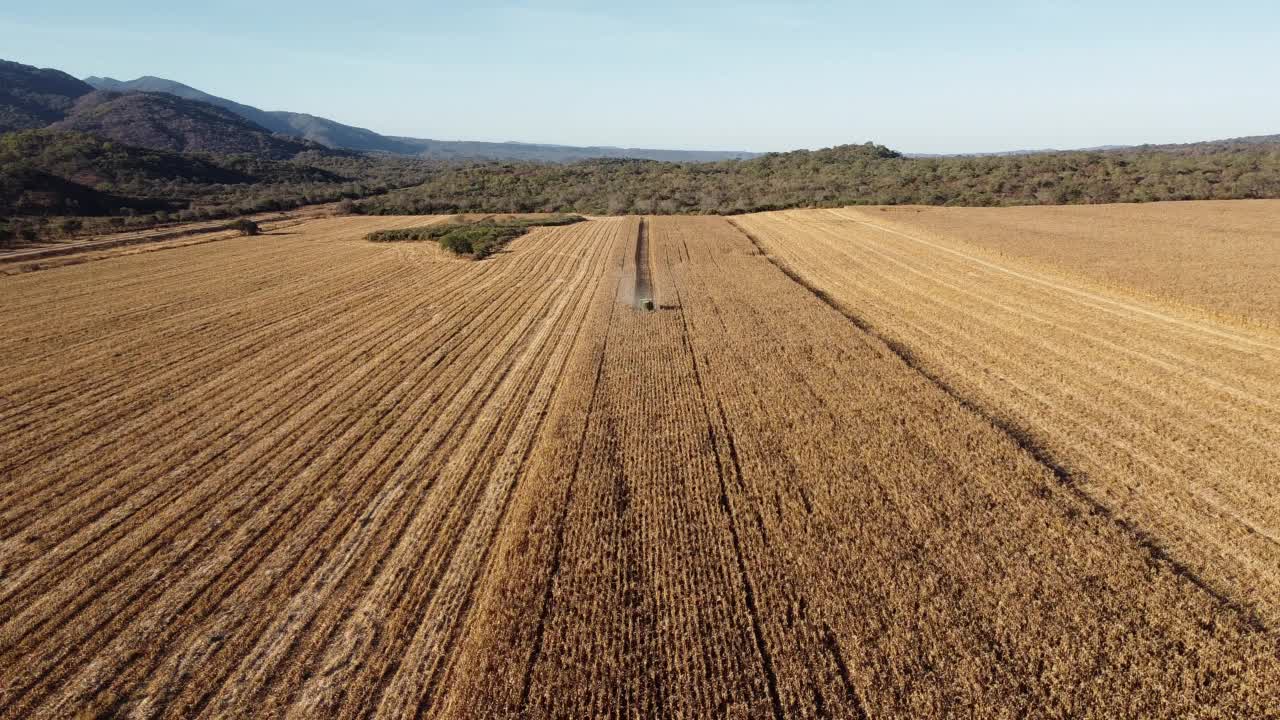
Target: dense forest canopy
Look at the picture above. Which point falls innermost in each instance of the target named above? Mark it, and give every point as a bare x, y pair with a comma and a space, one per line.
845, 175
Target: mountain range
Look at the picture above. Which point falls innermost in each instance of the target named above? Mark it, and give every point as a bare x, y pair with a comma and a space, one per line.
167, 115
333, 134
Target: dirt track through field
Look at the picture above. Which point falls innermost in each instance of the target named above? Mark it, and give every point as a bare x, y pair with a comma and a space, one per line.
643, 292
310, 476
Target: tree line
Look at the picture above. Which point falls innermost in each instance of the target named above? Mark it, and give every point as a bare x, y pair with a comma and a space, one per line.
846, 175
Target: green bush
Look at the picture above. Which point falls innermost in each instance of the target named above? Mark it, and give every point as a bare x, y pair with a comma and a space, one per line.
245, 226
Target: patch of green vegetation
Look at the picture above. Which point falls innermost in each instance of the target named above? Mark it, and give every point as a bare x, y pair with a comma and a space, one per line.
245, 226
477, 239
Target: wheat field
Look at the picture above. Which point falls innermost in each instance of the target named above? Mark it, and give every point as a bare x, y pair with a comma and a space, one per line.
838, 470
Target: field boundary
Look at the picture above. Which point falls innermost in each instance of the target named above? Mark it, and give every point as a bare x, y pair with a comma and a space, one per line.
1020, 437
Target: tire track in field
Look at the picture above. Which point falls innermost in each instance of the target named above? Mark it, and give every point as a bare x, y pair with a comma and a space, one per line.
642, 294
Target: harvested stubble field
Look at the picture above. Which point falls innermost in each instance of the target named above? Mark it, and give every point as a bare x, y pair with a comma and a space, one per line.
306, 475
1169, 421
1219, 259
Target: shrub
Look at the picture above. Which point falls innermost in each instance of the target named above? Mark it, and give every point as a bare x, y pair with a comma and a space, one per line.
245, 226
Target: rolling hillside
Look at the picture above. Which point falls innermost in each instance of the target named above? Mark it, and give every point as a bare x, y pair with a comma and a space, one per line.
49, 172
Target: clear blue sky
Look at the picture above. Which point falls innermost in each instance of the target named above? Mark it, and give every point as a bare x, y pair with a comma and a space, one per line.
923, 76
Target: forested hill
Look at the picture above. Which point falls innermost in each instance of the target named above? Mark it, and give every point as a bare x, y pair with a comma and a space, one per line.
46, 174
164, 122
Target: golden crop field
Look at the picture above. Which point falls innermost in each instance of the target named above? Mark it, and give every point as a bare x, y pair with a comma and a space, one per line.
1170, 422
788, 465
1221, 258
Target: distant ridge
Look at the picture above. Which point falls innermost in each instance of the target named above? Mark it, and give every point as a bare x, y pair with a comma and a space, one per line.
334, 134
320, 130
1199, 145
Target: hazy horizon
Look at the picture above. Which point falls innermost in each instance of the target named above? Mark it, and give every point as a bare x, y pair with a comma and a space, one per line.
924, 78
